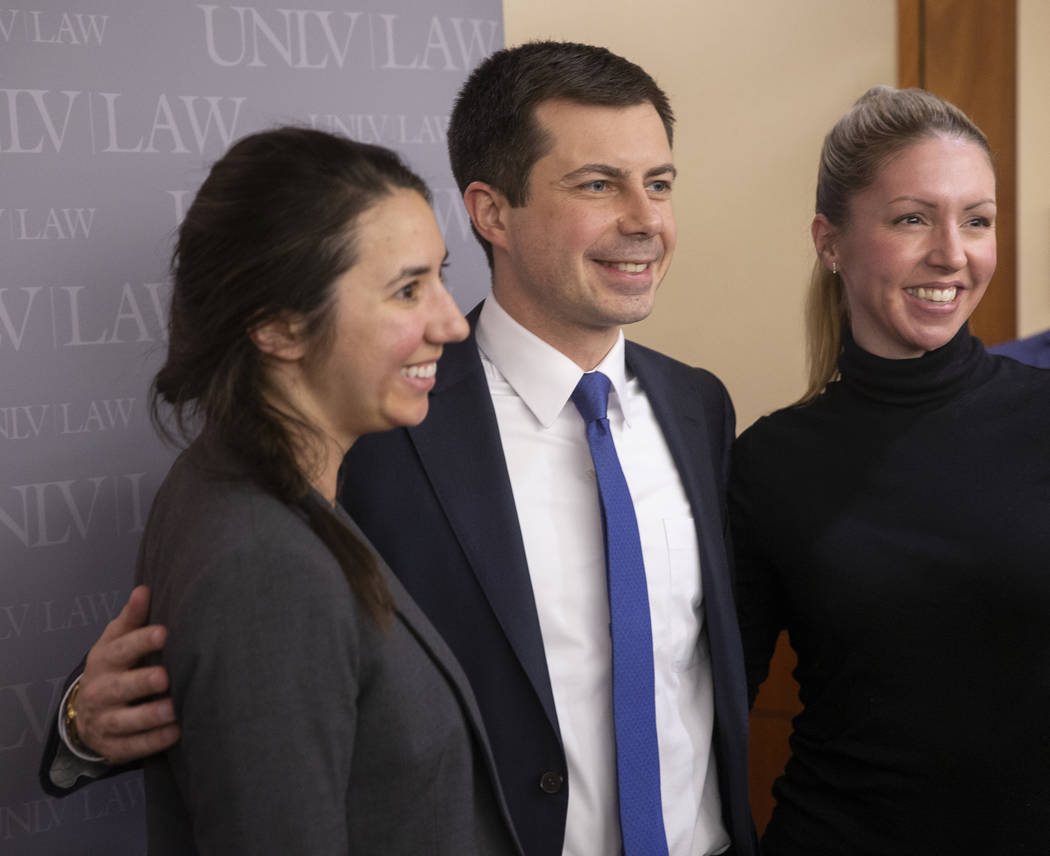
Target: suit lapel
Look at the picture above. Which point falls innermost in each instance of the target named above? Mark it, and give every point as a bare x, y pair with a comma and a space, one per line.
680, 411
698, 452
444, 660
419, 625
460, 449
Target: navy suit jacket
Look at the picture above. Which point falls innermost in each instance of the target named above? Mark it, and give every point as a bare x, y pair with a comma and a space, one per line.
1034, 350
436, 502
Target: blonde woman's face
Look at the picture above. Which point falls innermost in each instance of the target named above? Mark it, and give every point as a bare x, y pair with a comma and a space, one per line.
919, 249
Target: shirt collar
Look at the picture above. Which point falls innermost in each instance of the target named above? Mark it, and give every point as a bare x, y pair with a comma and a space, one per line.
541, 375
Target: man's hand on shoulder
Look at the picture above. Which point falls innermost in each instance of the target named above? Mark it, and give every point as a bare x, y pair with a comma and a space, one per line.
111, 719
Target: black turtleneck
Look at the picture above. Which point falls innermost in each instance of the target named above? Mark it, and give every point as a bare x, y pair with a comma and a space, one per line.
899, 528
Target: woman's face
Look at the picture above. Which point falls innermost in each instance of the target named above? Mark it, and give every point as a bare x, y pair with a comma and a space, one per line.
919, 248
392, 316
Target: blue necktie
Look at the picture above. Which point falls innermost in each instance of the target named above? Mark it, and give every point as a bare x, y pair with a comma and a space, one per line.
634, 708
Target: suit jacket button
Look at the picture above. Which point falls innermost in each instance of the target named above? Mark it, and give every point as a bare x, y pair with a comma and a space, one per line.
550, 782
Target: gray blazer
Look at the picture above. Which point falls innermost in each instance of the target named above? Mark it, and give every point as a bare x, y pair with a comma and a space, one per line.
305, 727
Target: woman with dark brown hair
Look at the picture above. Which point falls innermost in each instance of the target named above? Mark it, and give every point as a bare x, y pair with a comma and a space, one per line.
896, 521
320, 711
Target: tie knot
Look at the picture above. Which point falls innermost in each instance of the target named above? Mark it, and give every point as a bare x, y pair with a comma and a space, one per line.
591, 396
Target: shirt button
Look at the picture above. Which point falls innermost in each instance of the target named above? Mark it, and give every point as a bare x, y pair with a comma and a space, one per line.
550, 782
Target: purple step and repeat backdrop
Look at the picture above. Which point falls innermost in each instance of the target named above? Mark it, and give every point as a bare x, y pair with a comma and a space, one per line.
111, 112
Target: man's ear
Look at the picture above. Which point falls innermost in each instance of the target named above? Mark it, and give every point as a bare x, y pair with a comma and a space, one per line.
487, 208
825, 242
281, 337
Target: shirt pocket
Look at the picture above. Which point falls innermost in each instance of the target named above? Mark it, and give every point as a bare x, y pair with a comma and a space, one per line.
686, 615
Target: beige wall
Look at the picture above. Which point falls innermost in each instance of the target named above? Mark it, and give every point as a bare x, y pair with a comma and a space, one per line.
1033, 167
755, 85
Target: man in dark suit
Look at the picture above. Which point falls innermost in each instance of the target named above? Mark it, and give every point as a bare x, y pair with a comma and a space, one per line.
489, 511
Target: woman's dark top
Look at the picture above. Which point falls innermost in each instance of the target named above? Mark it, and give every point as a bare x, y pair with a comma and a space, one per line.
899, 528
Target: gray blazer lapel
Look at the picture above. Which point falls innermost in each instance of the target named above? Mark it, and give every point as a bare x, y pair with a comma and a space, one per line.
431, 642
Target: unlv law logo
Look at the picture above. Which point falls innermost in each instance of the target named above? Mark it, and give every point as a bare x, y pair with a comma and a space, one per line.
77, 29
316, 39
73, 316
35, 117
383, 128
36, 121
52, 513
181, 124
50, 224
30, 421
89, 609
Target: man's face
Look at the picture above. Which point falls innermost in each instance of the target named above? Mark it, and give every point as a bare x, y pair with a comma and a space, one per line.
589, 249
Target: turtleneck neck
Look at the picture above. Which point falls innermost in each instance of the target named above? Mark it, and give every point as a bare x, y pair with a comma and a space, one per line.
933, 377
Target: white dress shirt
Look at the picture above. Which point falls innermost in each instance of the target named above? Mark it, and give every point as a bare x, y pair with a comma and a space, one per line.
555, 492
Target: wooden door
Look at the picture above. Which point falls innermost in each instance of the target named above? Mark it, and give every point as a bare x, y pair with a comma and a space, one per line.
966, 51
776, 705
